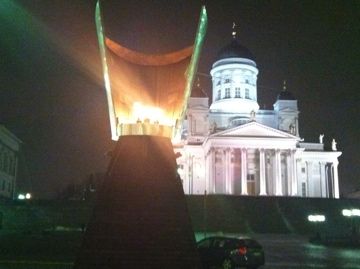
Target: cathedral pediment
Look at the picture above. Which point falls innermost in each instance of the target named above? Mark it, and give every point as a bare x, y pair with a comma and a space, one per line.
288, 109
254, 129
200, 107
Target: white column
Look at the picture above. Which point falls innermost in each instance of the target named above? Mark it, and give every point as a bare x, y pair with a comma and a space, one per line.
207, 172
243, 172
225, 170
213, 170
278, 185
328, 188
297, 126
229, 169
309, 182
321, 179
190, 124
289, 174
294, 183
262, 173
336, 180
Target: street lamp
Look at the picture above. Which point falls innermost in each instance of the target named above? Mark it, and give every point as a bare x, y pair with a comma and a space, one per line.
351, 212
316, 218
24, 196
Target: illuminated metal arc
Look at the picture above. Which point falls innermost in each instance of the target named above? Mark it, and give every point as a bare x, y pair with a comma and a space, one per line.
163, 83
101, 40
192, 69
148, 59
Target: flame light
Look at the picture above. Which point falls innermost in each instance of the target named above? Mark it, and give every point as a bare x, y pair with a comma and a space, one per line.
155, 115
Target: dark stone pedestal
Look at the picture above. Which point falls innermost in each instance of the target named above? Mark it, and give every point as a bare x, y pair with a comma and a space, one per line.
140, 219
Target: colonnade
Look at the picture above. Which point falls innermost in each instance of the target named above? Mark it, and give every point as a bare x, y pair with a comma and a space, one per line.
262, 171
269, 165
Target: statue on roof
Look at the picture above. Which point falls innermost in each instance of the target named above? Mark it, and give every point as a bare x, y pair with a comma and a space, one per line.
333, 145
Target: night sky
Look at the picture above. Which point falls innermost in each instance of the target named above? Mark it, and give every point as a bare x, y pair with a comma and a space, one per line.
52, 95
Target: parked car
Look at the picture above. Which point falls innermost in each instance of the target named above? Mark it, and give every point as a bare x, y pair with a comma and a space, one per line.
228, 252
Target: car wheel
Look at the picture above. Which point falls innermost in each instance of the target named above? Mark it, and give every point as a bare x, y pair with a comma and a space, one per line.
227, 264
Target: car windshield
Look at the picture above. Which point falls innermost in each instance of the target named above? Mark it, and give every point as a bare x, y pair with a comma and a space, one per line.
249, 243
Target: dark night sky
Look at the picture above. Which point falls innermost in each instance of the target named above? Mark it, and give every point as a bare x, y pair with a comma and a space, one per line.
52, 95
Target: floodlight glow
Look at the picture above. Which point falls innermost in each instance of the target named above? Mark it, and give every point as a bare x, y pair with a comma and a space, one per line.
316, 218
150, 113
346, 212
28, 196
356, 212
351, 212
21, 197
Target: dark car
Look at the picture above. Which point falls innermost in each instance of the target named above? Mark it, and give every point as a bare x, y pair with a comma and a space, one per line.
227, 252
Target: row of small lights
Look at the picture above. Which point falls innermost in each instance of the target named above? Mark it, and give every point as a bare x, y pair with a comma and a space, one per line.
345, 212
24, 196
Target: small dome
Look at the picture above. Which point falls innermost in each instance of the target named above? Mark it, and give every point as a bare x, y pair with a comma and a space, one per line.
197, 90
285, 95
235, 50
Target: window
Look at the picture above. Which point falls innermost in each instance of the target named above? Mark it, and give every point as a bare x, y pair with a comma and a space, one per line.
204, 243
303, 189
6, 164
246, 81
218, 83
227, 93
237, 92
303, 170
247, 94
251, 177
218, 95
227, 80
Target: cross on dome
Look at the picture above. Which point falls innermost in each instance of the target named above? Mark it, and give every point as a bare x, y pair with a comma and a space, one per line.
234, 30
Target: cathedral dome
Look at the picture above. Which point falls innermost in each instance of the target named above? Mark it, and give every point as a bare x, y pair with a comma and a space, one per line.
235, 50
285, 95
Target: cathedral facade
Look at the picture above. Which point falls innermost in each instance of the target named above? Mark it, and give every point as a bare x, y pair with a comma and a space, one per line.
233, 147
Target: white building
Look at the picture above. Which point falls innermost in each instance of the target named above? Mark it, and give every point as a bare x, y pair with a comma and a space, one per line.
235, 148
9, 148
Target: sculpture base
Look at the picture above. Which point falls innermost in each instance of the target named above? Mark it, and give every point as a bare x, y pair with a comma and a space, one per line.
140, 219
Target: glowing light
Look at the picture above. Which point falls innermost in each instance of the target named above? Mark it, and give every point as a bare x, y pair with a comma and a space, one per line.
141, 104
351, 212
148, 113
22, 196
316, 218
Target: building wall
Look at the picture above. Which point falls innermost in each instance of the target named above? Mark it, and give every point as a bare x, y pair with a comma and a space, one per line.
9, 148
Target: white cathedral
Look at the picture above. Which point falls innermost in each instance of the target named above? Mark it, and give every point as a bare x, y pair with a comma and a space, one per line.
232, 147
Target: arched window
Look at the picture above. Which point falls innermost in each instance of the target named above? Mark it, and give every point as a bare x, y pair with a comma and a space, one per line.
218, 95
247, 94
237, 92
227, 93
